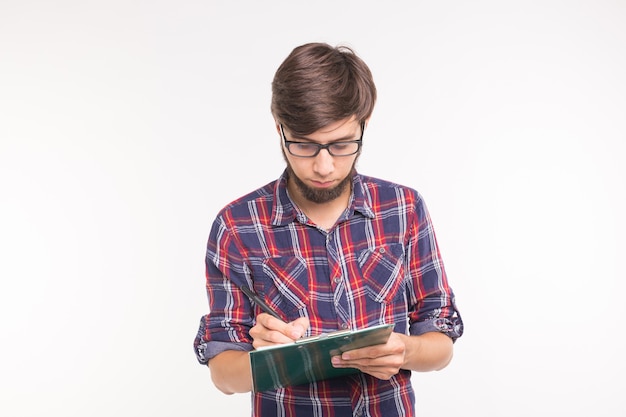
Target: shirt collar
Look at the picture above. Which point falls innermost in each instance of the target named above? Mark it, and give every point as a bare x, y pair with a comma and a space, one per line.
285, 212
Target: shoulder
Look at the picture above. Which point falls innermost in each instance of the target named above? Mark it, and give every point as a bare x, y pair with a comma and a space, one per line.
389, 190
261, 198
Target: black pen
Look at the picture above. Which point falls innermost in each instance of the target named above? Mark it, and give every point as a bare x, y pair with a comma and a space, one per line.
254, 296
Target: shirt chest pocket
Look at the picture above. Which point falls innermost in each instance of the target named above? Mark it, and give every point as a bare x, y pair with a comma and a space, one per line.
383, 271
284, 284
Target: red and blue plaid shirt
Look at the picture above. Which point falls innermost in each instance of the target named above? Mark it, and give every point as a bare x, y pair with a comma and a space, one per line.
379, 264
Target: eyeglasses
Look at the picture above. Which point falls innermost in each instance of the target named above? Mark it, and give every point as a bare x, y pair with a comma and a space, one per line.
311, 149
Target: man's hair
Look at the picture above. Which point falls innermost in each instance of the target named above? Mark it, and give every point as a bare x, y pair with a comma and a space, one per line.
318, 84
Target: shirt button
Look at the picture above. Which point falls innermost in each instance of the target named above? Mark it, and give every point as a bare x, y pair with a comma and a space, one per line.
381, 250
337, 280
344, 326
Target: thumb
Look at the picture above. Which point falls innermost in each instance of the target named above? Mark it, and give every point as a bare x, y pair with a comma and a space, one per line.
299, 327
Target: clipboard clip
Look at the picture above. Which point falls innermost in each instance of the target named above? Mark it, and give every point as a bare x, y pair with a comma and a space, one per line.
322, 336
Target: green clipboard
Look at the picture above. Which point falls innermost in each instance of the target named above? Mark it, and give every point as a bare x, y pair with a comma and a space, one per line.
307, 360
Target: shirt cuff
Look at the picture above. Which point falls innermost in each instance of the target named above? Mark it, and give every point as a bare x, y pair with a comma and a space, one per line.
453, 327
205, 351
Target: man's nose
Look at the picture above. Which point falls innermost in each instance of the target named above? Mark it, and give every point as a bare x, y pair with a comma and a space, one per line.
324, 162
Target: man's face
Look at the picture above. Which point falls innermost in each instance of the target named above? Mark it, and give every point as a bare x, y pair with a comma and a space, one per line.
323, 178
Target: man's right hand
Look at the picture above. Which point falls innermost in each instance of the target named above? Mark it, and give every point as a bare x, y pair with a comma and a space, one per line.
269, 330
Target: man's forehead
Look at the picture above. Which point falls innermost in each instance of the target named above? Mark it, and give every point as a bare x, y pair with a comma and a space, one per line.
333, 127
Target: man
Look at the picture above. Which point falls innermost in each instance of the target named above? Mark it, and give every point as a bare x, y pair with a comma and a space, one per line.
327, 248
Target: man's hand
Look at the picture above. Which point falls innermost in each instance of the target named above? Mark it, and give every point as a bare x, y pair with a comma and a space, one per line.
380, 361
269, 330
427, 352
230, 370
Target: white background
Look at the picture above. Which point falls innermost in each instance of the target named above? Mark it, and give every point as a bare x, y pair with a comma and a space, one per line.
126, 125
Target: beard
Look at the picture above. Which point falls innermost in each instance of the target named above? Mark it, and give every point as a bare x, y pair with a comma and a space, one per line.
324, 195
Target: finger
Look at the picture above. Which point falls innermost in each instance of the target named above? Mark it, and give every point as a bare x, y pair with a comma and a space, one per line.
379, 370
262, 336
299, 327
390, 348
292, 331
270, 337
263, 333
268, 321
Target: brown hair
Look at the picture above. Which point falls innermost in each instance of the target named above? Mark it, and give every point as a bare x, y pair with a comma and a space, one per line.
318, 84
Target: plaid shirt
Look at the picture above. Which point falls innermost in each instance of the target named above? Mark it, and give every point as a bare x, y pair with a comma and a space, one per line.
379, 264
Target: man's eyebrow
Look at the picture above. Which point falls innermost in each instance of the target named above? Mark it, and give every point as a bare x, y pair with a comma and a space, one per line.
342, 139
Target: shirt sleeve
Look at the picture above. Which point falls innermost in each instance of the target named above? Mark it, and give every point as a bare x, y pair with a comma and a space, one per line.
230, 317
432, 299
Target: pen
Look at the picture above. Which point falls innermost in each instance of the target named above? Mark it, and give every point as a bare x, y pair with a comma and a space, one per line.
250, 293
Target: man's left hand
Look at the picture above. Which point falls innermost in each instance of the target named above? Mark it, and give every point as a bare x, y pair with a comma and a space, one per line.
380, 361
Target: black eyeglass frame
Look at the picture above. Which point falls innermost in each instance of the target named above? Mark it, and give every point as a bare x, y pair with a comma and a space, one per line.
327, 146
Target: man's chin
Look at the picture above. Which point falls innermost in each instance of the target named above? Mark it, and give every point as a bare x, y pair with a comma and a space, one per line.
321, 195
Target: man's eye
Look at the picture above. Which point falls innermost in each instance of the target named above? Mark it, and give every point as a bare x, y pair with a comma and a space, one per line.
340, 146
304, 146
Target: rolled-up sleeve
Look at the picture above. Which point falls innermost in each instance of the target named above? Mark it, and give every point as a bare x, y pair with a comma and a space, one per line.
230, 317
206, 350
432, 299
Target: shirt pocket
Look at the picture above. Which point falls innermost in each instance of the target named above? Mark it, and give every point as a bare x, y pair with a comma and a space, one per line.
383, 271
284, 284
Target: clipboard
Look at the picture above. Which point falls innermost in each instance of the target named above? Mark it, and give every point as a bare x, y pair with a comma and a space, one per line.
308, 360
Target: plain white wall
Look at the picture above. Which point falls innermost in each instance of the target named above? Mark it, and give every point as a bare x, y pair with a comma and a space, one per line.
126, 125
